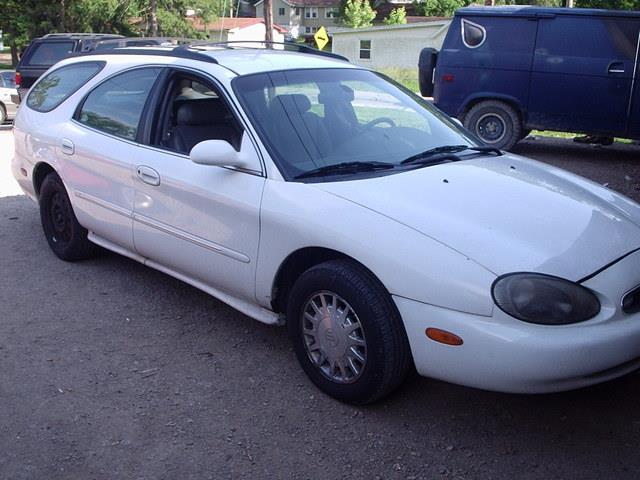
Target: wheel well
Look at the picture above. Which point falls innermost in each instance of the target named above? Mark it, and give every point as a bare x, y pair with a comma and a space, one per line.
513, 104
39, 174
295, 265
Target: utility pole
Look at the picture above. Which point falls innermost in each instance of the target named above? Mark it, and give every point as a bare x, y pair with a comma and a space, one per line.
268, 22
154, 18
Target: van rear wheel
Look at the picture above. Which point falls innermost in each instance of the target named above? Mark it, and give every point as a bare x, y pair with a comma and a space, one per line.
496, 123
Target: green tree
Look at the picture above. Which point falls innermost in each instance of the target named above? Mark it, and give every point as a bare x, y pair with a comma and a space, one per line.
397, 16
440, 8
358, 14
610, 4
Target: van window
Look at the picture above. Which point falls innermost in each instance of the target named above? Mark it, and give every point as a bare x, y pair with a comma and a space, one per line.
473, 34
57, 86
48, 53
115, 106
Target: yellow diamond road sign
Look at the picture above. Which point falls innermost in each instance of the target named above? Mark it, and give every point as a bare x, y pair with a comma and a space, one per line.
322, 38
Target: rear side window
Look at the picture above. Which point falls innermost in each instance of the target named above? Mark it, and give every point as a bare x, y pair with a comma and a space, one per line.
115, 106
473, 34
57, 86
48, 53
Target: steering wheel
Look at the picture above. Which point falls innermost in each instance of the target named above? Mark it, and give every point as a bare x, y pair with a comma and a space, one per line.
378, 120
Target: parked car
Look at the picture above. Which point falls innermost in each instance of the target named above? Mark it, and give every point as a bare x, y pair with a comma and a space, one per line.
301, 189
506, 70
8, 96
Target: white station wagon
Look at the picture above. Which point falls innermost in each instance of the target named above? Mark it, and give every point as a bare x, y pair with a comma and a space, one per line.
301, 189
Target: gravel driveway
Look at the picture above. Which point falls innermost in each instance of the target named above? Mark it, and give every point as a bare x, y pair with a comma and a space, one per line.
111, 370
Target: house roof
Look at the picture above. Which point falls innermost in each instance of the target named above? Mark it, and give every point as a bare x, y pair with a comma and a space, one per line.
228, 23
309, 3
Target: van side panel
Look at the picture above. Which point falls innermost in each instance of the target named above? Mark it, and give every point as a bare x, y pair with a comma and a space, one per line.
498, 69
582, 74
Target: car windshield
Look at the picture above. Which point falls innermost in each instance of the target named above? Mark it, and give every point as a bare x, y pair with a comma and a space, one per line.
311, 119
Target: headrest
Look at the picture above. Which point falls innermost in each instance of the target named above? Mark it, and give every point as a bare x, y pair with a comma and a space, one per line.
200, 112
341, 94
294, 101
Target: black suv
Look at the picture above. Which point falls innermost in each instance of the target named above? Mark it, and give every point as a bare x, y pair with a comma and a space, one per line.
45, 51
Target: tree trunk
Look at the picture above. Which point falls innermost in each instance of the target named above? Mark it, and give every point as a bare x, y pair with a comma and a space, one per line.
568, 3
490, 3
268, 22
63, 13
14, 53
154, 18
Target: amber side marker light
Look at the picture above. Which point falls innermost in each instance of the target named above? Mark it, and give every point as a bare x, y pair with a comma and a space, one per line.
442, 336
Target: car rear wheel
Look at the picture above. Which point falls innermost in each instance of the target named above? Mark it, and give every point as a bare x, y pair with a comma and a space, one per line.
66, 237
347, 333
496, 123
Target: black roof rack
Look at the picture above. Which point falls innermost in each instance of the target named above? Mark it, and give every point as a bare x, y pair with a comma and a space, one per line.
182, 51
296, 47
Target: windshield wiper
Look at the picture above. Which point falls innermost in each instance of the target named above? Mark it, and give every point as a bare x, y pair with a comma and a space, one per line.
446, 152
345, 167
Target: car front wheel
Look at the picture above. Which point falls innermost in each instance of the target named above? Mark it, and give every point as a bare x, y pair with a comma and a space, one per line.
347, 333
66, 237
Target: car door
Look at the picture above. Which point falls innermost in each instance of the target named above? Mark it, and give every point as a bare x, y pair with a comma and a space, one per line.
582, 73
634, 103
200, 222
100, 147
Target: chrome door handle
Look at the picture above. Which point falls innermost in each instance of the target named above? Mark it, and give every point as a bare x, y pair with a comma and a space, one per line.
616, 67
68, 148
148, 175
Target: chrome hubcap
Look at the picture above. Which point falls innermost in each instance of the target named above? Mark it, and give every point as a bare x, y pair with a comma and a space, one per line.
333, 337
491, 128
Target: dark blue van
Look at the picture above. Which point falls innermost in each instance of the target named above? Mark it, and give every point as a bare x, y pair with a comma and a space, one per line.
504, 71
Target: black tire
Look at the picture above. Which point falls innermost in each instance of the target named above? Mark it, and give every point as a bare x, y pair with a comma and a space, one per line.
66, 237
387, 352
496, 123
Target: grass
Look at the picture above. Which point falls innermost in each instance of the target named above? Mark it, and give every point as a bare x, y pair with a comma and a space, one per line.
405, 76
6, 66
552, 134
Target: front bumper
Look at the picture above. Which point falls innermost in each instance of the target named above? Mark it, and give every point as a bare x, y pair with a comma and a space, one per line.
504, 354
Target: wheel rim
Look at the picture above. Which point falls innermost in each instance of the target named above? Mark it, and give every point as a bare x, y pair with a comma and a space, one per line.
333, 337
60, 221
491, 128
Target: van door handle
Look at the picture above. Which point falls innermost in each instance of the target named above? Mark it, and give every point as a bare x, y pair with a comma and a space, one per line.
67, 146
148, 175
616, 67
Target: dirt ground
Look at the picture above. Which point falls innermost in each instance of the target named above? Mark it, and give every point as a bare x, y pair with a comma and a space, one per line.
111, 370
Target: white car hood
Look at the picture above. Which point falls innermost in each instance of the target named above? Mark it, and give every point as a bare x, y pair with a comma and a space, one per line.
507, 213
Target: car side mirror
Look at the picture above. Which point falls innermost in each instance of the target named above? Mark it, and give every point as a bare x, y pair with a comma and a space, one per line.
215, 152
220, 153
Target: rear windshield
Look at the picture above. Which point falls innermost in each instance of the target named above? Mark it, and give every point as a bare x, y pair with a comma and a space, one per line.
48, 53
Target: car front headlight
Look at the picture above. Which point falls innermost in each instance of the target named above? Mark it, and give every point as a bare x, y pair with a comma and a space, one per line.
543, 299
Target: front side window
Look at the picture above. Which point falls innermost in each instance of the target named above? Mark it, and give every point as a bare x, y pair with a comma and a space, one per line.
311, 12
314, 118
48, 53
365, 49
115, 106
54, 88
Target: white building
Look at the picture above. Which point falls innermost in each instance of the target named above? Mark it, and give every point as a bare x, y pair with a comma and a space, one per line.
389, 46
226, 29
